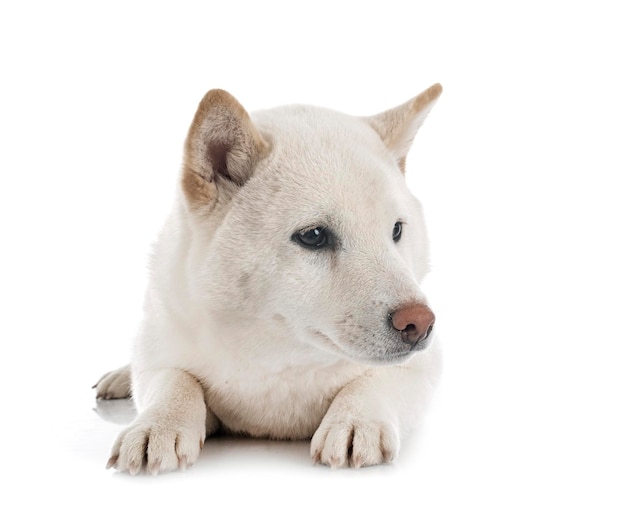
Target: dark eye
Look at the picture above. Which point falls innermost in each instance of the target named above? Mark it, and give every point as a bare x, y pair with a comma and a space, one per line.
312, 238
397, 231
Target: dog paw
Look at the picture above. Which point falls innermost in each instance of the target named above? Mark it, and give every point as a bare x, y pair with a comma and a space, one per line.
155, 447
114, 384
354, 443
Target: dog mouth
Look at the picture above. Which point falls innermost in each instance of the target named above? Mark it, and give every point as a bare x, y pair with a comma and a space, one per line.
391, 357
368, 353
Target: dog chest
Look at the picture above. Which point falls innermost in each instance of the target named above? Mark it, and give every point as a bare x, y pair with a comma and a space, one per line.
286, 404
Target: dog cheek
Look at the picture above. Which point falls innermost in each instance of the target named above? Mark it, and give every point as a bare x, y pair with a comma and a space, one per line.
243, 285
298, 294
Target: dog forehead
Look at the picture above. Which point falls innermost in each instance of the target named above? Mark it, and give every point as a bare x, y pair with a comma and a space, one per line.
298, 124
328, 152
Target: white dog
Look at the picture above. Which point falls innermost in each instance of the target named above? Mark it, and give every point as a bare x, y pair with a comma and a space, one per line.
284, 299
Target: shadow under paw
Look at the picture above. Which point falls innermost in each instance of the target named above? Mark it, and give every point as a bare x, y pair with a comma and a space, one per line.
118, 411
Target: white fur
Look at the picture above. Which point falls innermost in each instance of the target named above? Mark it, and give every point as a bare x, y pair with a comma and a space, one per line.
247, 332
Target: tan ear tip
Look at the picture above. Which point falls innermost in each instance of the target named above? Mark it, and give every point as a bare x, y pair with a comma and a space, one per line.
427, 97
216, 96
434, 91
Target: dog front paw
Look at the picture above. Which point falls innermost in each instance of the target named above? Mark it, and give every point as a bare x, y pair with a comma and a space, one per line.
155, 447
114, 384
354, 442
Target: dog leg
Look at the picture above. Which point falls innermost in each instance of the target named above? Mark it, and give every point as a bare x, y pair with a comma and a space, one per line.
365, 421
169, 432
114, 384
356, 430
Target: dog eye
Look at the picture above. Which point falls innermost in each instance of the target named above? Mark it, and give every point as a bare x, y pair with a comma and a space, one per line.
312, 238
397, 231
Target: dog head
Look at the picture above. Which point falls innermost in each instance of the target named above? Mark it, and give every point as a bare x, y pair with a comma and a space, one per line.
302, 219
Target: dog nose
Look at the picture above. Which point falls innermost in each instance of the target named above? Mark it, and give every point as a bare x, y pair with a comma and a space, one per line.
415, 323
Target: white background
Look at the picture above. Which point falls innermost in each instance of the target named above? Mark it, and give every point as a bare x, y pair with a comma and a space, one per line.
520, 167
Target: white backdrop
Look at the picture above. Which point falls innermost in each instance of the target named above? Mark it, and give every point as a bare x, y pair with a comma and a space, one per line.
520, 168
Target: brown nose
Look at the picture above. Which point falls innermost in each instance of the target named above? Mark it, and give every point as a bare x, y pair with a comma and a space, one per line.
415, 323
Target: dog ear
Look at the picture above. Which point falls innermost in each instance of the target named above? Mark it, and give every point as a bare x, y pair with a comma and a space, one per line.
222, 148
397, 127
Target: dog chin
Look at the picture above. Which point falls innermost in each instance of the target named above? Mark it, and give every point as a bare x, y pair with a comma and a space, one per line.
389, 358
395, 354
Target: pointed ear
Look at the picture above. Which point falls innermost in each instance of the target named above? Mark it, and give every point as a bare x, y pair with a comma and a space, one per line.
222, 148
397, 127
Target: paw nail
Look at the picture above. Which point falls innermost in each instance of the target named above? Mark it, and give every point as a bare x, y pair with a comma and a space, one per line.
154, 469
112, 462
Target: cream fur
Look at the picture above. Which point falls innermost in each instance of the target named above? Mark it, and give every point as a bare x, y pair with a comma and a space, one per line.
246, 331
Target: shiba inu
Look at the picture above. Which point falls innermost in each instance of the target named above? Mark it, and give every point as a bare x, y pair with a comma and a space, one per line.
284, 300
